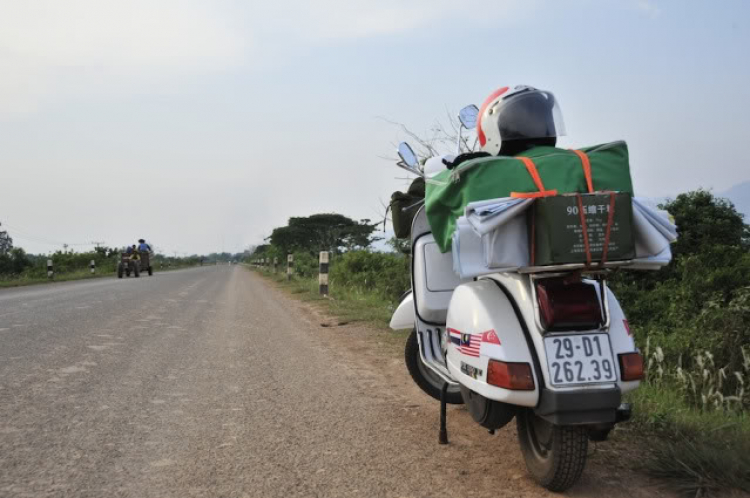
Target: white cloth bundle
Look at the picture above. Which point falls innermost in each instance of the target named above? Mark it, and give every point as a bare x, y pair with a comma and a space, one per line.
468, 254
493, 237
486, 216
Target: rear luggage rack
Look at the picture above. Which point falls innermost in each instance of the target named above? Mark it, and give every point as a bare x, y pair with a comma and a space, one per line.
575, 267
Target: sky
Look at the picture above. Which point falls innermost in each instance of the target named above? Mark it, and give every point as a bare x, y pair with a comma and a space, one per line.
202, 125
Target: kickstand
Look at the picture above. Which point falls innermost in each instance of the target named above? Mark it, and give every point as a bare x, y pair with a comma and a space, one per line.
443, 438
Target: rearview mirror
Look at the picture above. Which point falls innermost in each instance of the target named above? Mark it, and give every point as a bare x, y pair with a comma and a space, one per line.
468, 116
408, 156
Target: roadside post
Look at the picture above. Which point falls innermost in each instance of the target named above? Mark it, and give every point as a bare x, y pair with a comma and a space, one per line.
323, 275
50, 271
93, 266
275, 265
289, 267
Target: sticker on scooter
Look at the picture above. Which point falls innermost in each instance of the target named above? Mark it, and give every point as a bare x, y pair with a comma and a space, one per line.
471, 344
471, 371
490, 337
467, 344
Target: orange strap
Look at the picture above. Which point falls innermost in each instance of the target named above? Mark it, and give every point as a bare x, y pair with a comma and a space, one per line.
532, 256
531, 168
586, 168
585, 229
610, 222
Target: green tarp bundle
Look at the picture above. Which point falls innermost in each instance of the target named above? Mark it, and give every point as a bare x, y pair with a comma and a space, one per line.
494, 177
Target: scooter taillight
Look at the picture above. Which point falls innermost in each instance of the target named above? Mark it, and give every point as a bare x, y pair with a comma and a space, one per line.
631, 366
568, 304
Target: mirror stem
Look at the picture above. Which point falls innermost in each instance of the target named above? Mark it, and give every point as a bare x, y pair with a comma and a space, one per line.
458, 145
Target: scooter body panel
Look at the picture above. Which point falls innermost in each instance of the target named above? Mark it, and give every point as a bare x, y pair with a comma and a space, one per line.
482, 325
403, 317
433, 279
503, 303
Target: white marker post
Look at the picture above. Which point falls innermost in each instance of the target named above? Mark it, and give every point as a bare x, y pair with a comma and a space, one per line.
323, 276
93, 266
289, 267
50, 270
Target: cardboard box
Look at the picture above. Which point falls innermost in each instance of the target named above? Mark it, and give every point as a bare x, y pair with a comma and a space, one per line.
555, 225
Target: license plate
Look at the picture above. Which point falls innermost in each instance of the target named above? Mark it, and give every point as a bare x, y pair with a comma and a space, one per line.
579, 359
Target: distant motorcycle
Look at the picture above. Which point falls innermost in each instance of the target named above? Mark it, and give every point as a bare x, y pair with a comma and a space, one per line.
128, 265
550, 349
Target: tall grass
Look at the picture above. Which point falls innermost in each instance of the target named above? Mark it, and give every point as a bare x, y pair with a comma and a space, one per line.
703, 384
698, 419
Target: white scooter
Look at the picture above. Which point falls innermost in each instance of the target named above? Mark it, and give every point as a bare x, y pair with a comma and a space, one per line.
550, 348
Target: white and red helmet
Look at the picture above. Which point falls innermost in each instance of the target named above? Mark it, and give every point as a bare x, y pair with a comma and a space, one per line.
523, 113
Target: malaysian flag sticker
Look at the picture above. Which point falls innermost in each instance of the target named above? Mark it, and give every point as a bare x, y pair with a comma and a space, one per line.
470, 344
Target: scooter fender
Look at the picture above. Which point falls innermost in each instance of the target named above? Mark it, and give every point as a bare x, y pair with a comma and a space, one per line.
403, 317
621, 339
482, 325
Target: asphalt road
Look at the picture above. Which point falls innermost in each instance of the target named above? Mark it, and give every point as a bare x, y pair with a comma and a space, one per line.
209, 382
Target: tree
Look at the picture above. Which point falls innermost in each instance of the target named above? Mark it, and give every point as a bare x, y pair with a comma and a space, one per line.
401, 246
14, 262
323, 232
700, 301
6, 243
704, 220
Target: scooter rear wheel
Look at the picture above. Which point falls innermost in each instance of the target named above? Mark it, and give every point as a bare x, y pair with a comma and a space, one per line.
429, 382
555, 455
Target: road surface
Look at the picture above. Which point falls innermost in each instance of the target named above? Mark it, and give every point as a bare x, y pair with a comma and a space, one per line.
211, 382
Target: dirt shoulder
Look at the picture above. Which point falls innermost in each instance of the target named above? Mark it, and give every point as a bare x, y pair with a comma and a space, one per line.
475, 463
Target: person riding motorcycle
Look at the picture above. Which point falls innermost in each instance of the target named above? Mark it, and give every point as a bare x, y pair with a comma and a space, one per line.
143, 246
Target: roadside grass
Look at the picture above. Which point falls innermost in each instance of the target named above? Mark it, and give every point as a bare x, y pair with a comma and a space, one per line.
82, 274
64, 277
693, 452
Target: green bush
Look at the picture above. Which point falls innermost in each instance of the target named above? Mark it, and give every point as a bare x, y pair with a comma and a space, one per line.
701, 301
387, 274
14, 263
